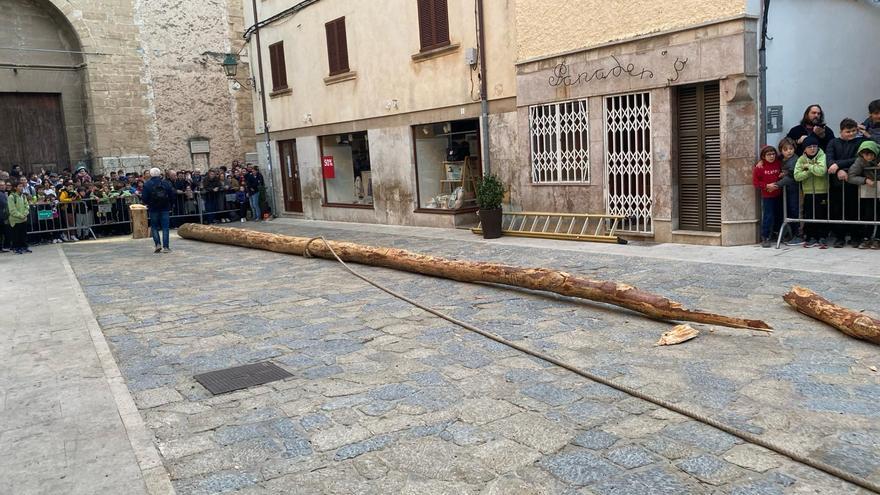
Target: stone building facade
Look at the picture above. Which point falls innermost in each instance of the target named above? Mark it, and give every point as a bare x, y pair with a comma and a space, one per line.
135, 81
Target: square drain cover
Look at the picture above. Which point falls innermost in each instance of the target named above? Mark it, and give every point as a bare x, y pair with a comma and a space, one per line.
249, 375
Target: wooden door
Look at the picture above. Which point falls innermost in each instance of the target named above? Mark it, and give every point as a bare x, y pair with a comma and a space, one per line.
290, 176
699, 157
33, 135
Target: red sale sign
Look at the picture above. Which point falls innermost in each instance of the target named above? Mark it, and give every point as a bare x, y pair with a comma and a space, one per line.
328, 167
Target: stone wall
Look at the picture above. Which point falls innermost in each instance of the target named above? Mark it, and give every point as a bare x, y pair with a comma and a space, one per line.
151, 78
181, 51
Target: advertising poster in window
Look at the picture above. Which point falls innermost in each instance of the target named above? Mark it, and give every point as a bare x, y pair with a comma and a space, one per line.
328, 167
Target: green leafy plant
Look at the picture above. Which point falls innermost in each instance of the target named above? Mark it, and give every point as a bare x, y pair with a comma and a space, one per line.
490, 192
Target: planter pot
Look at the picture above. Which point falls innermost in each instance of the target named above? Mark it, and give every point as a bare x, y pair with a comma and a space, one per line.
491, 222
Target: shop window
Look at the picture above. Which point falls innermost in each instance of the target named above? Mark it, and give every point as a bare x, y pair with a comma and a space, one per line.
433, 24
447, 164
337, 46
559, 138
277, 66
345, 160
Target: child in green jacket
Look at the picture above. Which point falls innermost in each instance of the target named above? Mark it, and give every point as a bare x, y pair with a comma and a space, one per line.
18, 215
864, 174
812, 172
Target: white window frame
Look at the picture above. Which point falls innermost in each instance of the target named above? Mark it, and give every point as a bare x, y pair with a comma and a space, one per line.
561, 130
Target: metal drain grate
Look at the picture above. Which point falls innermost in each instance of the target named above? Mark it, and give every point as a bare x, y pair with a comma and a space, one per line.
249, 375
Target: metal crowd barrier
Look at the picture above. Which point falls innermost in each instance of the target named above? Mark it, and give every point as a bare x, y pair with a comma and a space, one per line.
206, 207
846, 209
90, 217
80, 218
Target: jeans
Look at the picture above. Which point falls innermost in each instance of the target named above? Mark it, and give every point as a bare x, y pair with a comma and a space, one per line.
19, 236
160, 220
816, 207
771, 215
255, 205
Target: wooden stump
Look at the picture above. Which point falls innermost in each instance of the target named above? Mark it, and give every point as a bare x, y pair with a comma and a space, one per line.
541, 279
852, 323
140, 227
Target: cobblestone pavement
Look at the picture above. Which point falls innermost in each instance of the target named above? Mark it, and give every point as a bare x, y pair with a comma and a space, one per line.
387, 399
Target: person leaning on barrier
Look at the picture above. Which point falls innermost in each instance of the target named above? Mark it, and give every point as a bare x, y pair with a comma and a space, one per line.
863, 173
5, 233
812, 172
791, 189
840, 154
765, 176
158, 195
18, 214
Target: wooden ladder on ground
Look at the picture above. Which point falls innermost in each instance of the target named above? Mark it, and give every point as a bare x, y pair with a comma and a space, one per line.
566, 226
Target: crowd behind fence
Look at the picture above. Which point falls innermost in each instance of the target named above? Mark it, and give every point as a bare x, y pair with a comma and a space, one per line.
93, 218
846, 211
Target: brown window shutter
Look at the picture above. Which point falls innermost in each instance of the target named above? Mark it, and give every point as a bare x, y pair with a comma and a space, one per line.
332, 44
342, 46
699, 158
441, 23
277, 65
426, 33
433, 23
337, 46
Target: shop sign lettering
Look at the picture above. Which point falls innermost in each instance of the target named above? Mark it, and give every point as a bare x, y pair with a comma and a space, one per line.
564, 76
328, 167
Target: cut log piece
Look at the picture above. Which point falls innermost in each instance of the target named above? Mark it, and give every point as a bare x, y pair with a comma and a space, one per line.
678, 334
852, 323
540, 279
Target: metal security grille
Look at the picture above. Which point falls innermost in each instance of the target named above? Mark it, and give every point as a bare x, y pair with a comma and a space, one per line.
560, 144
628, 163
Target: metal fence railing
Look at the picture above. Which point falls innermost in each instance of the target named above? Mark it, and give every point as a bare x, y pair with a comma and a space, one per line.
93, 217
846, 208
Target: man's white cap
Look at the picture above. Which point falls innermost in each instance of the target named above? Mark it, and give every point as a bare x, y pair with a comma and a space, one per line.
155, 172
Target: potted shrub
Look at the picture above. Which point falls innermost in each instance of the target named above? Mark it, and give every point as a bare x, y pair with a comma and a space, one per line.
490, 193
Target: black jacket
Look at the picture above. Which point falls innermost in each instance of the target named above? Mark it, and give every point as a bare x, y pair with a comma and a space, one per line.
843, 153
149, 197
800, 130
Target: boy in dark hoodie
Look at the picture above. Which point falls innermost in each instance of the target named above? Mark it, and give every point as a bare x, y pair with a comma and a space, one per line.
870, 128
791, 188
843, 197
765, 176
867, 182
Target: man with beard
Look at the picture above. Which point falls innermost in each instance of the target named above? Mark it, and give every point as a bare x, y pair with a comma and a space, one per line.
812, 124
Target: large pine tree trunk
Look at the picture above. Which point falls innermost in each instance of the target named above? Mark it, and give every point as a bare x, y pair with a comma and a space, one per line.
542, 279
852, 323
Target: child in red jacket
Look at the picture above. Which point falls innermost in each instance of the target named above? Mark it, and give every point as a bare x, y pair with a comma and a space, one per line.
766, 174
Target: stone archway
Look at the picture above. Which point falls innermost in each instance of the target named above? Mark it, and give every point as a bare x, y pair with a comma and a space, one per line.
43, 94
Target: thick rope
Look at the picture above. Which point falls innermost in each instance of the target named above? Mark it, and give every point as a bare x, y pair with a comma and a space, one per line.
744, 435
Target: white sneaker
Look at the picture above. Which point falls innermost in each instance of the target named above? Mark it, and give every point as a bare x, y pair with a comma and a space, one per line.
64, 238
242, 220
74, 238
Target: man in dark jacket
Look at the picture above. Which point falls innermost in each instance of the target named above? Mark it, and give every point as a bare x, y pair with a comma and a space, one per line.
211, 187
5, 231
158, 195
812, 123
252, 182
844, 197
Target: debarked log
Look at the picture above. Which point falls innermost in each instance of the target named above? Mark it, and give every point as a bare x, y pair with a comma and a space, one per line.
852, 323
539, 279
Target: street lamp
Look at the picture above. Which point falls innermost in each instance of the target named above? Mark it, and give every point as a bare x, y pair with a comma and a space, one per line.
230, 67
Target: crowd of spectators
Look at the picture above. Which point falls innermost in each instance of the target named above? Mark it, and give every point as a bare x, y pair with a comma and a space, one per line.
70, 205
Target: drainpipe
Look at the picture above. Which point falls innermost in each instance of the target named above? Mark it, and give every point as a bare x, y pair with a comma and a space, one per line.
762, 72
484, 96
262, 92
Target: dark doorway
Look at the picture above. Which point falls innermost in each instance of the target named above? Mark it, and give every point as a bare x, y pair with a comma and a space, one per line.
699, 157
290, 175
34, 135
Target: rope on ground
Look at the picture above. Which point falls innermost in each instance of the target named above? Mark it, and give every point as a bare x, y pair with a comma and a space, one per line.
744, 435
